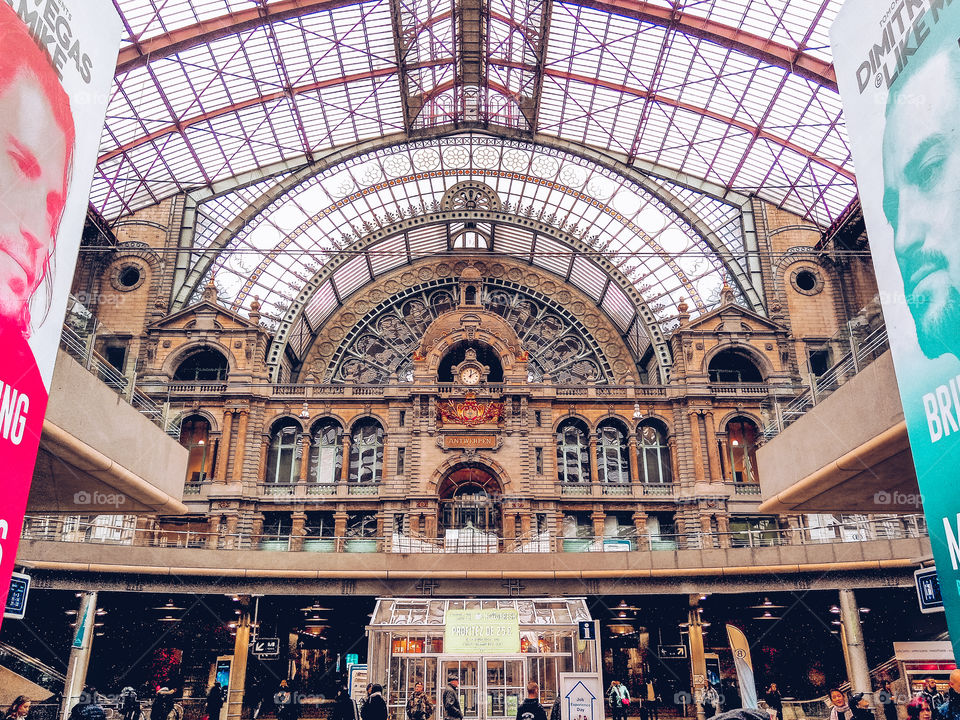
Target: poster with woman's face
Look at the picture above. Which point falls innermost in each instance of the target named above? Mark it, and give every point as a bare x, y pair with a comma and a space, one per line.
57, 59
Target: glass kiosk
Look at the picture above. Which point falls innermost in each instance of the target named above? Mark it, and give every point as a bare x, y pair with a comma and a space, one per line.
495, 647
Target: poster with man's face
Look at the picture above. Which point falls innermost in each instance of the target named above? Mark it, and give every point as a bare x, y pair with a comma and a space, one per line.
57, 59
898, 69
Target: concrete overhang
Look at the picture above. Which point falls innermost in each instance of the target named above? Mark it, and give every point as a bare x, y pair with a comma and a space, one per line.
98, 454
849, 453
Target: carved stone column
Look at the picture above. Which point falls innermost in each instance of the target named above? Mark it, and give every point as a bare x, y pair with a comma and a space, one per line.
241, 452
713, 452
723, 527
640, 525
340, 527
697, 446
304, 457
297, 530
345, 465
223, 451
594, 462
262, 464
213, 530
634, 456
598, 517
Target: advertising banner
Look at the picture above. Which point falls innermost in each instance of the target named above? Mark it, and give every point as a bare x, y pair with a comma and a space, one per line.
481, 631
744, 666
898, 70
57, 59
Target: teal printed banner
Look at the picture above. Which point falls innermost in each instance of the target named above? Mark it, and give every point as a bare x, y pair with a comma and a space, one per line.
898, 70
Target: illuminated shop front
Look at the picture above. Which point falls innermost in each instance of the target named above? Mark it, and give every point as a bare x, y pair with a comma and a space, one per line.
495, 647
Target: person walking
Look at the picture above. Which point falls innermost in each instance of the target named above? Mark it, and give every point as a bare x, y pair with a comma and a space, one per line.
932, 695
887, 698
419, 706
774, 700
87, 707
19, 709
530, 708
619, 699
950, 709
375, 708
129, 704
343, 706
285, 702
711, 701
215, 701
162, 704
451, 699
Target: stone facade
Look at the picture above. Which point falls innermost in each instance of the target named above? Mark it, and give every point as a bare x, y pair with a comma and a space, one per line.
423, 459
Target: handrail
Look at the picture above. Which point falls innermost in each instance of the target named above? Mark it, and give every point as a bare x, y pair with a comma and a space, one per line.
466, 540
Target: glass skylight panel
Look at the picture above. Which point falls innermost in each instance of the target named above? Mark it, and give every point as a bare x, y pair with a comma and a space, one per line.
390, 253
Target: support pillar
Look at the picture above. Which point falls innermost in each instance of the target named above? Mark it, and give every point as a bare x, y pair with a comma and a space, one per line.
598, 517
298, 521
525, 525
723, 527
634, 459
698, 661
238, 673
304, 457
345, 464
339, 528
594, 462
223, 451
697, 446
241, 451
79, 653
213, 532
640, 524
853, 641
713, 452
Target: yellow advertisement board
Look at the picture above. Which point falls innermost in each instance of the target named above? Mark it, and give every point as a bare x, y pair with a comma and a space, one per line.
482, 631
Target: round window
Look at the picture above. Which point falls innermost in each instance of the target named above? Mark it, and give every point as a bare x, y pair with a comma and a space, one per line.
806, 281
129, 276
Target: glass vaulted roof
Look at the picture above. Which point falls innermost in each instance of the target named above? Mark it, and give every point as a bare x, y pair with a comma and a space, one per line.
711, 101
279, 250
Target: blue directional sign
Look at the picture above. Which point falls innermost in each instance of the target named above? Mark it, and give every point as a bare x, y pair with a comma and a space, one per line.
928, 590
17, 597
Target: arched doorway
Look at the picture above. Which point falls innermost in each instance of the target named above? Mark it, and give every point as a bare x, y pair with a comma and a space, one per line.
470, 504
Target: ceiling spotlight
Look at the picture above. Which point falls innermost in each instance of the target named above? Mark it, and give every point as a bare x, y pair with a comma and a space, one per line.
864, 610
317, 607
766, 605
101, 611
169, 618
836, 622
835, 610
69, 612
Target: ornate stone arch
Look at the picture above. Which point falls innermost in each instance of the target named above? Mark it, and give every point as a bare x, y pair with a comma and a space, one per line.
611, 416
758, 358
205, 414
314, 419
572, 416
448, 466
174, 359
269, 422
366, 416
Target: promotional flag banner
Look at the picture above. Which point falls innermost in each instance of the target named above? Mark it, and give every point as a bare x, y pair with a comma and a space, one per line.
898, 70
744, 666
57, 59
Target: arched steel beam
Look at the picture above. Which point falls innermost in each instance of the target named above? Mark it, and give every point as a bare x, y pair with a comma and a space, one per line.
769, 51
753, 130
750, 289
761, 48
561, 75
206, 31
302, 300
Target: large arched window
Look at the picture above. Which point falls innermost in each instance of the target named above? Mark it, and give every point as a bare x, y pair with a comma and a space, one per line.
366, 452
613, 465
742, 437
573, 455
195, 437
654, 453
283, 463
733, 366
326, 452
203, 365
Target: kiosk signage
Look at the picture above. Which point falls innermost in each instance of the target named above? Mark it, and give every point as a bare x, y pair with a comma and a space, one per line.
898, 70
481, 631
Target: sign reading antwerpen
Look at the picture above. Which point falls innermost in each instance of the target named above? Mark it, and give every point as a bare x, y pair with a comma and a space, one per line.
57, 59
471, 631
898, 70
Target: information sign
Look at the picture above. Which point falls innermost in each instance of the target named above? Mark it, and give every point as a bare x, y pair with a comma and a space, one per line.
482, 631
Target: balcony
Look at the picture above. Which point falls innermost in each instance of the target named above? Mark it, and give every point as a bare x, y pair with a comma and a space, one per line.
471, 541
307, 490
628, 490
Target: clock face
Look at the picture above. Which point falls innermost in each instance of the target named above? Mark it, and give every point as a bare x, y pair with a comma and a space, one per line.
470, 376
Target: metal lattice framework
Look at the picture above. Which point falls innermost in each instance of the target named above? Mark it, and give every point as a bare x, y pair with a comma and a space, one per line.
291, 123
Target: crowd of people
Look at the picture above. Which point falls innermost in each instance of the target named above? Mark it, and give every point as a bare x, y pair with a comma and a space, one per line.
928, 704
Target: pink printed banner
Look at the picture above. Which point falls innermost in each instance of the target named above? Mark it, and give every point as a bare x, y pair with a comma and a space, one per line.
57, 59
